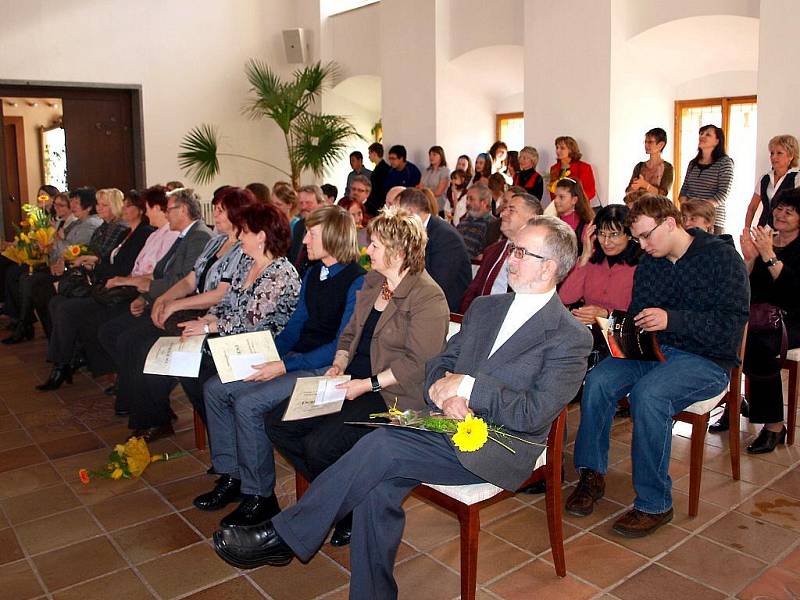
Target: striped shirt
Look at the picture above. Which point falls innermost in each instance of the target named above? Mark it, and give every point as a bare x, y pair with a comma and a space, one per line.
712, 182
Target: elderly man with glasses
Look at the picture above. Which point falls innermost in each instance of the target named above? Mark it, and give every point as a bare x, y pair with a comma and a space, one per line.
691, 288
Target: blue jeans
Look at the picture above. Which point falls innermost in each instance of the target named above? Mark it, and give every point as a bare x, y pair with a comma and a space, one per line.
658, 390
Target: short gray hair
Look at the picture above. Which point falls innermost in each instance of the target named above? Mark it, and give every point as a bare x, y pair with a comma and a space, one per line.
484, 193
560, 243
533, 153
531, 202
313, 189
363, 180
188, 198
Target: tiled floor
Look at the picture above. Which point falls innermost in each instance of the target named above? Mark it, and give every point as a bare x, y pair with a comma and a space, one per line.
142, 539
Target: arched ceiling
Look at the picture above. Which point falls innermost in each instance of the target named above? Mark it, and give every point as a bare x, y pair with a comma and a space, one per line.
497, 71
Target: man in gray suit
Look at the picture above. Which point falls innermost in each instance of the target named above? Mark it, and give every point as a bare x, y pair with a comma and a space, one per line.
517, 362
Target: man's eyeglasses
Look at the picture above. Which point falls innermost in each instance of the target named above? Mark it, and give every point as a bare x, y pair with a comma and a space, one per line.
646, 235
520, 253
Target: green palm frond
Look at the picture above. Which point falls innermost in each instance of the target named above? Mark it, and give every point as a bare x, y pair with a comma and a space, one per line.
198, 156
315, 78
321, 140
270, 97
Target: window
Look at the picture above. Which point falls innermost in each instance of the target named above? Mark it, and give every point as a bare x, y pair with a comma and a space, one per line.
510, 128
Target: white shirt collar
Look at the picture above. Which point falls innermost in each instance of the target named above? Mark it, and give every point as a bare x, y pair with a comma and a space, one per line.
185, 231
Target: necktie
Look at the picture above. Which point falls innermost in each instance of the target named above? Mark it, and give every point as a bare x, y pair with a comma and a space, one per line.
163, 266
487, 286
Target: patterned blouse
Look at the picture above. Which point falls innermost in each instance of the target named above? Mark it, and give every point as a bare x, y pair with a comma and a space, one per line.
217, 270
267, 304
107, 237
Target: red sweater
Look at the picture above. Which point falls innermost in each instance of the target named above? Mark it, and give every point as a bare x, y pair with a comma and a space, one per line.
579, 171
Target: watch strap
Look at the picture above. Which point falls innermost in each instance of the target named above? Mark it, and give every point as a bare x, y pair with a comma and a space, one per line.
376, 386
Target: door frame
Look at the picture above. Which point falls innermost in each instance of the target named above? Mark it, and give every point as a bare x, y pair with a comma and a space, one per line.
59, 89
21, 166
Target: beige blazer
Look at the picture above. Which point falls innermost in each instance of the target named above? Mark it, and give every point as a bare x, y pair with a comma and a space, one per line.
410, 331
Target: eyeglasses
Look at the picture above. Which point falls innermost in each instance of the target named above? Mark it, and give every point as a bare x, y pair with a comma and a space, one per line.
646, 235
520, 253
610, 235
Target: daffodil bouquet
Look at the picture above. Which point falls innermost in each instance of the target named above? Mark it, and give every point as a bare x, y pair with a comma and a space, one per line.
127, 460
73, 251
469, 434
33, 240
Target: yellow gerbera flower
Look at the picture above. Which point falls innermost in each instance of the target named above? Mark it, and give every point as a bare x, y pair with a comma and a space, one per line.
471, 435
116, 473
137, 455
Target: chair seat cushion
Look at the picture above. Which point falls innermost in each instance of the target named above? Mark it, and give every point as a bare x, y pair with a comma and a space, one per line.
477, 492
704, 406
793, 354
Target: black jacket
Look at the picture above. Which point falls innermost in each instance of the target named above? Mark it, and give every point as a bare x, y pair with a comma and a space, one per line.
447, 260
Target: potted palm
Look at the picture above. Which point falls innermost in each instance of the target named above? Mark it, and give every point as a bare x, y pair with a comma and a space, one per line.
314, 141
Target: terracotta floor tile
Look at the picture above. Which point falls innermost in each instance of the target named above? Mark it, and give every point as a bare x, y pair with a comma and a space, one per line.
527, 529
57, 530
538, 579
233, 589
19, 581
22, 481
619, 487
342, 554
126, 586
652, 545
494, 556
718, 488
298, 581
163, 472
15, 438
713, 564
25, 403
8, 422
74, 444
39, 503
115, 433
789, 484
20, 457
181, 493
681, 518
76, 563
422, 577
657, 583
677, 468
10, 549
752, 470
776, 508
69, 466
774, 584
504, 508
792, 561
57, 428
99, 489
428, 526
122, 511
782, 455
187, 570
205, 522
598, 561
603, 509
752, 536
150, 539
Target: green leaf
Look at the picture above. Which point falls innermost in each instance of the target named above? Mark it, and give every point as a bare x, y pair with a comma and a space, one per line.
198, 156
321, 140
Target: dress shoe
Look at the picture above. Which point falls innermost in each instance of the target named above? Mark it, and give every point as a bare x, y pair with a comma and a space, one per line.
723, 424
251, 547
635, 523
151, 434
226, 490
539, 487
111, 390
342, 532
58, 375
78, 362
253, 510
21, 333
767, 440
591, 487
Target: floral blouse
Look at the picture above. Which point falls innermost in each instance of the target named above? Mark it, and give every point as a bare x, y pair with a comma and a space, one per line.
267, 304
210, 271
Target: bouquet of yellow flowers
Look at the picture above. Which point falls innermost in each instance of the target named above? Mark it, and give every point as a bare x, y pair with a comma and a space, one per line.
34, 239
73, 251
127, 460
363, 259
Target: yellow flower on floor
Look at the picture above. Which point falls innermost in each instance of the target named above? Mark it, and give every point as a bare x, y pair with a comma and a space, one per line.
137, 454
471, 435
116, 473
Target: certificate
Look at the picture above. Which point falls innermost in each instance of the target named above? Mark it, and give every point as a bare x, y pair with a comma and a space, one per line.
175, 356
234, 355
315, 396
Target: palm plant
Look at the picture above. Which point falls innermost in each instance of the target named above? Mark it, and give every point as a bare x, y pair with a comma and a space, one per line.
313, 141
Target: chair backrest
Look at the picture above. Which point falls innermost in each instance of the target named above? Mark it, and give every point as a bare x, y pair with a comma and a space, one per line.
455, 325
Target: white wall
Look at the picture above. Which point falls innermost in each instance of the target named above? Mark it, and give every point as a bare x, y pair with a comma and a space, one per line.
718, 85
478, 24
645, 15
353, 40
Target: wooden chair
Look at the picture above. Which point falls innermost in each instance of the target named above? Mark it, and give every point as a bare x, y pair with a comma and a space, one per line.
199, 432
697, 415
792, 364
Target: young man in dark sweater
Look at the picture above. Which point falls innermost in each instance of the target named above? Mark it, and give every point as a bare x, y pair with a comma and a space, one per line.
241, 452
692, 289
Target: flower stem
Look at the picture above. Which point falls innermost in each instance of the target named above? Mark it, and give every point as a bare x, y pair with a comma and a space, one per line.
509, 448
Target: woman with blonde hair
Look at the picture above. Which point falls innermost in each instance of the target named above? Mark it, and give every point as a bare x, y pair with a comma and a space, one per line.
783, 156
527, 177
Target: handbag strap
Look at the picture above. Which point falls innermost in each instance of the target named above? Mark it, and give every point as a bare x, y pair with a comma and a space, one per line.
784, 339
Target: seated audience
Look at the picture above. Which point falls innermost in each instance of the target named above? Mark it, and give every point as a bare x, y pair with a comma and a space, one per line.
241, 452
497, 186
527, 379
569, 164
446, 257
403, 172
498, 157
698, 213
699, 334
456, 206
709, 175
433, 205
356, 211
329, 193
784, 153
173, 185
377, 195
492, 276
358, 170
392, 194
260, 191
285, 198
527, 177
309, 199
360, 188
436, 177
654, 175
774, 266
479, 228
572, 206
464, 163
483, 169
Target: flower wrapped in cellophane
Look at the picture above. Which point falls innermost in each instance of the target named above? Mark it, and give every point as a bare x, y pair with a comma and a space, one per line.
34, 239
127, 460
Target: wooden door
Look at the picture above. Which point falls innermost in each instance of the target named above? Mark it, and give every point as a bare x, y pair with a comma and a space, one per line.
15, 174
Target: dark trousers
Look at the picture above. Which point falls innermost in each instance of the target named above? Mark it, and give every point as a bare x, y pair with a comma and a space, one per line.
35, 291
88, 326
761, 364
371, 480
66, 315
312, 445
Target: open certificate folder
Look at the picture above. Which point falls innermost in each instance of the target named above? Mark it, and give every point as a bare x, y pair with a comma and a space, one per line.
235, 355
175, 356
315, 396
625, 339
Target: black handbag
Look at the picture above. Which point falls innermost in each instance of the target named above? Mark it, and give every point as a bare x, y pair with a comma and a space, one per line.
766, 317
116, 295
77, 282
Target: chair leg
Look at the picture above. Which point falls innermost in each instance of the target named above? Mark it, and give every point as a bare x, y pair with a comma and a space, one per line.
791, 418
696, 463
199, 432
470, 522
555, 524
734, 414
300, 485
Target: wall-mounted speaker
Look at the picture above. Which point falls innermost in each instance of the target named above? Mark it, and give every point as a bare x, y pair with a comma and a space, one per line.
294, 43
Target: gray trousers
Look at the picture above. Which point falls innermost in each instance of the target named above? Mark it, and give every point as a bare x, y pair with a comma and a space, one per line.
371, 480
236, 434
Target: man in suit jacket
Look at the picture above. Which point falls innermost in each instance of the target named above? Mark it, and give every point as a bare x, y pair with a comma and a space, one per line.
517, 362
492, 276
446, 256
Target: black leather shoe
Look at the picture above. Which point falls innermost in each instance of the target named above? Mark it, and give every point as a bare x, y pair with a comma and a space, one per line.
111, 390
251, 547
58, 375
723, 424
21, 333
767, 440
342, 532
253, 510
78, 363
226, 490
151, 434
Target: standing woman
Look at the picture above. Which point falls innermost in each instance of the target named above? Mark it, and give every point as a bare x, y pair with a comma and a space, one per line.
437, 176
573, 207
527, 177
774, 265
569, 164
783, 155
710, 174
654, 175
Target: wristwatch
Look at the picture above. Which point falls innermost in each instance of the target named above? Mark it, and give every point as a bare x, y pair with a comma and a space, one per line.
206, 330
772, 261
376, 386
